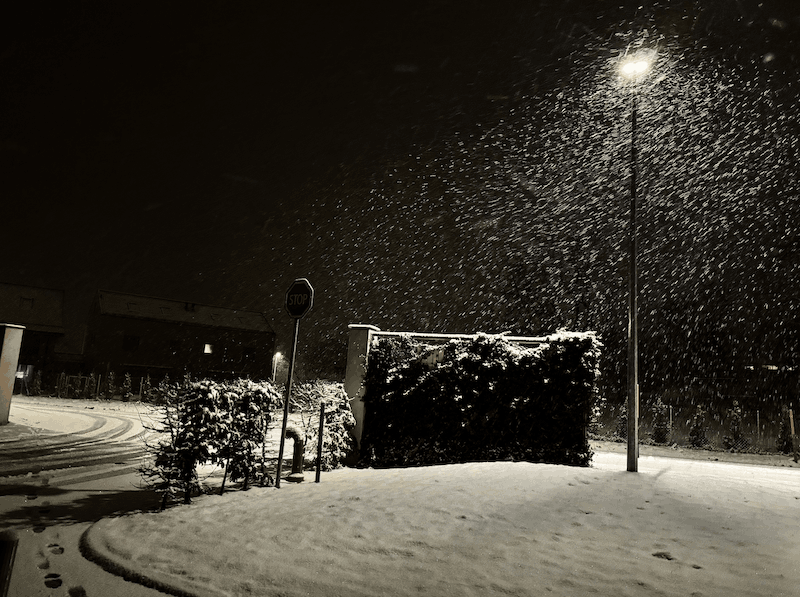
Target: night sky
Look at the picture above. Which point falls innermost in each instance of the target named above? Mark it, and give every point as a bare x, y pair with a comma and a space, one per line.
214, 151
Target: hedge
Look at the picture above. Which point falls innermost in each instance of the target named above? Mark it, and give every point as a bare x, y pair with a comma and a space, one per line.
487, 399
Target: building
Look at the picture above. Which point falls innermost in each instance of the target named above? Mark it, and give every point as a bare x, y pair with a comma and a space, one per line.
41, 311
141, 335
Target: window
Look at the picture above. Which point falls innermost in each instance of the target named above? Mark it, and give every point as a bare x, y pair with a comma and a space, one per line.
130, 343
208, 349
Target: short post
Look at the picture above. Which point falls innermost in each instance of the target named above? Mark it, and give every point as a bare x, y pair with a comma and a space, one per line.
263, 451
296, 475
758, 426
794, 437
319, 439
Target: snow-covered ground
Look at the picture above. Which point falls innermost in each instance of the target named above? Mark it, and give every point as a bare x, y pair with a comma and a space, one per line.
681, 526
677, 527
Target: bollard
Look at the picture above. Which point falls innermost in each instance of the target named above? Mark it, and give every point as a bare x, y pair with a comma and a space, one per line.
297, 457
320, 438
8, 550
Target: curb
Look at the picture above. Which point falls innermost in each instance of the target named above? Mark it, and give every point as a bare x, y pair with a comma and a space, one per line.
90, 551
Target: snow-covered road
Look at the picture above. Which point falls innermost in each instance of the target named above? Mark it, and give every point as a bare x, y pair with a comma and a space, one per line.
72, 441
778, 480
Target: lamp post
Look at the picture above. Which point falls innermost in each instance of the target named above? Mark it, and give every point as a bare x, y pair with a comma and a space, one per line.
631, 70
275, 358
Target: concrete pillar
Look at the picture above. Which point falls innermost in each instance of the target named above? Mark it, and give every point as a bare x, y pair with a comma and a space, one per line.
9, 358
357, 351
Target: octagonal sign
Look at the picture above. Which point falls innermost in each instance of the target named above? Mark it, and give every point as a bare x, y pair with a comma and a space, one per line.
299, 298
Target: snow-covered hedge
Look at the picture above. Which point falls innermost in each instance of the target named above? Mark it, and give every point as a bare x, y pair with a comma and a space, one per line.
486, 399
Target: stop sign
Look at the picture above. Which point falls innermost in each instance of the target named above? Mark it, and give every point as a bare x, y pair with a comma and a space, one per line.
299, 298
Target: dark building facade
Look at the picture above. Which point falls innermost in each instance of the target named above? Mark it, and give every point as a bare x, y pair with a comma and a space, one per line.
41, 311
141, 335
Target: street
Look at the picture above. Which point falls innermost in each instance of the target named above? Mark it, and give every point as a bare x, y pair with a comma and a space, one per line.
63, 466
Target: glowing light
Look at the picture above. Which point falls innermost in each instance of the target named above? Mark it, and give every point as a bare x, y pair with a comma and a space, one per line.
634, 68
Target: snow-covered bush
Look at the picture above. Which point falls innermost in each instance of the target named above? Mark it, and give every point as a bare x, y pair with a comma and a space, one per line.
127, 388
783, 442
89, 388
36, 387
697, 431
246, 409
74, 388
146, 388
109, 387
187, 425
485, 399
621, 430
337, 438
661, 425
735, 441
206, 422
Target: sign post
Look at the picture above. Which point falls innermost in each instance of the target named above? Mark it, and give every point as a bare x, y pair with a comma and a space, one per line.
299, 300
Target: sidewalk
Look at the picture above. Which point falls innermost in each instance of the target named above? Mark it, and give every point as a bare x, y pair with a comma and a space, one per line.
682, 452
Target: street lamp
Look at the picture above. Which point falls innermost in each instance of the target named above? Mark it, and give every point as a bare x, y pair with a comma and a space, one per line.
275, 358
632, 69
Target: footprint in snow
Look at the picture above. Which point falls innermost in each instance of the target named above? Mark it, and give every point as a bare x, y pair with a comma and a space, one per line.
55, 549
663, 555
52, 580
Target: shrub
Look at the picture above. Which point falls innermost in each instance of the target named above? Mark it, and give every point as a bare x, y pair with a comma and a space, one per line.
207, 422
110, 387
186, 427
337, 439
146, 389
37, 383
622, 422
783, 442
661, 425
127, 388
89, 388
697, 431
246, 413
74, 387
735, 441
